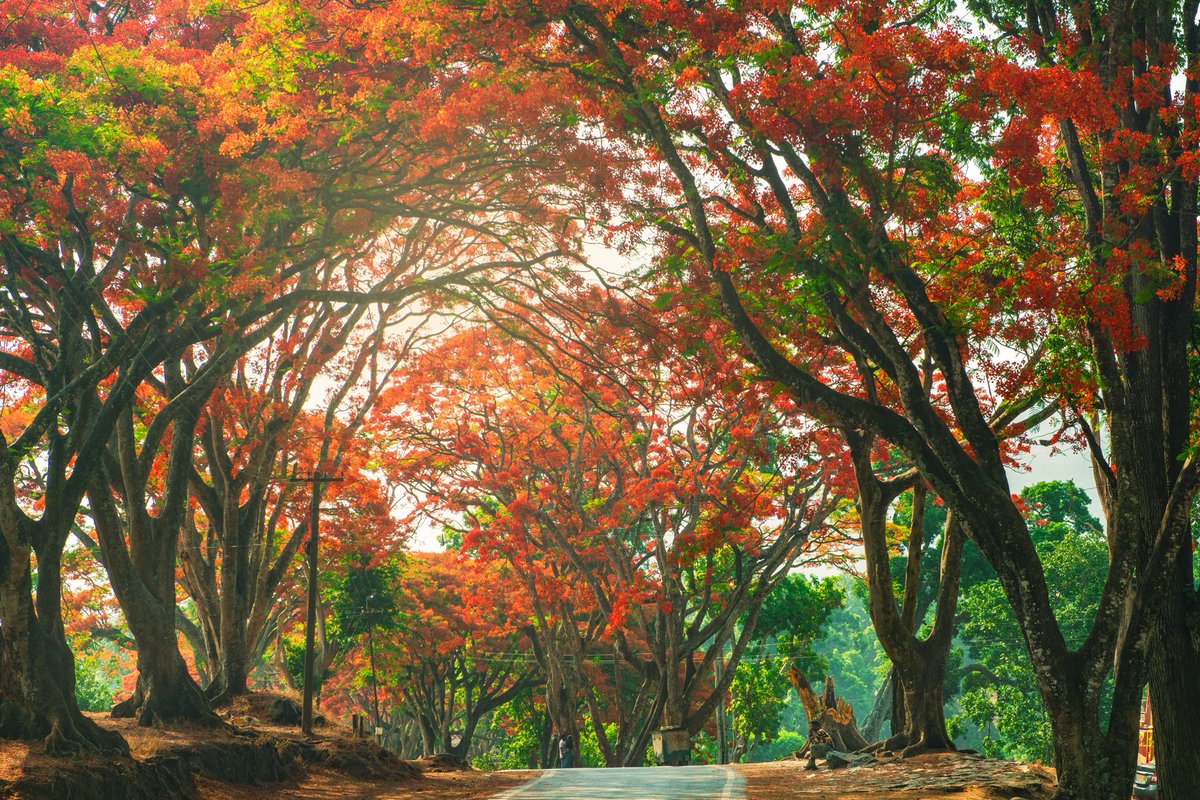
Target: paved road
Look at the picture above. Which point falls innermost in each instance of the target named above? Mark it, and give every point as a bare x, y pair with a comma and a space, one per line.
633, 783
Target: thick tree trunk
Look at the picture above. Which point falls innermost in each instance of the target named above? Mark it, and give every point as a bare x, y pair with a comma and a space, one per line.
919, 666
921, 688
1175, 689
922, 677
428, 737
463, 747
559, 651
141, 571
896, 713
37, 678
165, 690
562, 705
37, 670
232, 677
912, 590
1088, 764
546, 743
235, 583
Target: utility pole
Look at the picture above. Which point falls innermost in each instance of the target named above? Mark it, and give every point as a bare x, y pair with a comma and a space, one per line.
374, 679
722, 741
617, 685
316, 479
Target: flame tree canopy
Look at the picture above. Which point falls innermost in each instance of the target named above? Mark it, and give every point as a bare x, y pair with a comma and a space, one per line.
177, 181
646, 496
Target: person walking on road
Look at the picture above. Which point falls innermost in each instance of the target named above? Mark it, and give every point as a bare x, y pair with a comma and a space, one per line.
566, 751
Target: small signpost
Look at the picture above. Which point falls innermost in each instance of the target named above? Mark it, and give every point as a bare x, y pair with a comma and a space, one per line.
672, 746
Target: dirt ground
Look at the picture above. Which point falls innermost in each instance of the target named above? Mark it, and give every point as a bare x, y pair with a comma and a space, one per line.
964, 777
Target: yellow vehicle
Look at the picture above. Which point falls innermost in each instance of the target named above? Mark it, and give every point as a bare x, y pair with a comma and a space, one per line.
1145, 780
1146, 734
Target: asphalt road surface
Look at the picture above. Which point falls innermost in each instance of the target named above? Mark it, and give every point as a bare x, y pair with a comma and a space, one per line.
633, 783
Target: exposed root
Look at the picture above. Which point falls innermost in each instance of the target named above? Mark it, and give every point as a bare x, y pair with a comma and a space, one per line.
908, 745
922, 743
221, 694
72, 736
58, 743
151, 708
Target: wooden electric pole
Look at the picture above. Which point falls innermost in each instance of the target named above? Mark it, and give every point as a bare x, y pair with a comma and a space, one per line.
722, 735
310, 624
374, 679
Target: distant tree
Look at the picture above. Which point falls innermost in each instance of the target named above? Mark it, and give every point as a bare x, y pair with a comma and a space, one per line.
519, 736
645, 499
758, 696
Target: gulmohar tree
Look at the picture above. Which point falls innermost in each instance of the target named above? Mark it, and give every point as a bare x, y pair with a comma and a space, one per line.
460, 651
94, 300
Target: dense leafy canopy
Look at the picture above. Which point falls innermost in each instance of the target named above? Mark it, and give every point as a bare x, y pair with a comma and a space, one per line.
875, 253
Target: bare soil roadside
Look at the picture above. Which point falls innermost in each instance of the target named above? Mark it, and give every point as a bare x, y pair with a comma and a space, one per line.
935, 775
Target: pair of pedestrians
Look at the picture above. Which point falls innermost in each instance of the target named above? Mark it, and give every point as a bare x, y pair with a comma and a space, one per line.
566, 751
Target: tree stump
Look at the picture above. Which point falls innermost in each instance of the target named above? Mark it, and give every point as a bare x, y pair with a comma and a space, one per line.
830, 718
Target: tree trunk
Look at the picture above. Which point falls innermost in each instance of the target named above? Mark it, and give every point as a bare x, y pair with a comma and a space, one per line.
1175, 688
923, 677
37, 670
37, 675
461, 750
897, 714
912, 589
1089, 766
165, 690
428, 737
235, 582
881, 709
919, 666
139, 555
561, 705
546, 742
924, 707
232, 677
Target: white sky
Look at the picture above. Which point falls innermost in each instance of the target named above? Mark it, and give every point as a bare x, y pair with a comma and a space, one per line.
1045, 466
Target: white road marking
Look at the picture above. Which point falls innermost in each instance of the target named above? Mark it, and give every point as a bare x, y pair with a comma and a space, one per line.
730, 781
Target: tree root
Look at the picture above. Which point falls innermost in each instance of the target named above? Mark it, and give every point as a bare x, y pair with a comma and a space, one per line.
150, 710
220, 695
68, 737
908, 745
58, 743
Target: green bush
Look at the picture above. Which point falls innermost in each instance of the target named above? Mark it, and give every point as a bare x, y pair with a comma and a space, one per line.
93, 685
